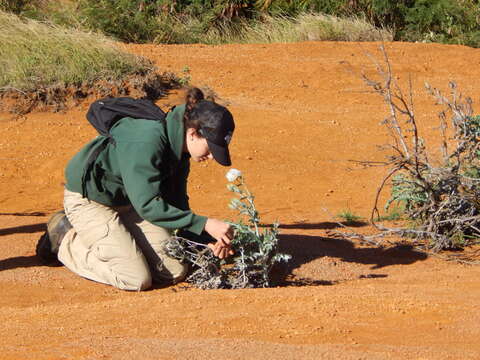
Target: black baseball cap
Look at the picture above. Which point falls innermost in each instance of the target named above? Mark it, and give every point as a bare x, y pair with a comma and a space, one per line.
216, 125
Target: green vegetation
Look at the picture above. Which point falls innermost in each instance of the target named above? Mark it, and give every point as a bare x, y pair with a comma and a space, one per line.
184, 79
391, 215
348, 216
34, 55
61, 12
192, 21
130, 21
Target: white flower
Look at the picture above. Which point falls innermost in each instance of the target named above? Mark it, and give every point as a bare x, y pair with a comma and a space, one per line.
233, 174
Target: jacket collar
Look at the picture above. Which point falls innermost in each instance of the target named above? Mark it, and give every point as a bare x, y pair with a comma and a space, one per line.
175, 130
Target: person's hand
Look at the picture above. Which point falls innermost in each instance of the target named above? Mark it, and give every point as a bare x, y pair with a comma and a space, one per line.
219, 230
223, 233
220, 250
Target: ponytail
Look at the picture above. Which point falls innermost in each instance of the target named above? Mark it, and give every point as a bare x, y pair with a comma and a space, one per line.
205, 116
194, 95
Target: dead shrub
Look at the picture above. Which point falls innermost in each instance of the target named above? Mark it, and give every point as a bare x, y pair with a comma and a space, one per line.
439, 195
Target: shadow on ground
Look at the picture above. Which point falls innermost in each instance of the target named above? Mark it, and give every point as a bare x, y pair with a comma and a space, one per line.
20, 262
23, 261
307, 248
33, 228
35, 213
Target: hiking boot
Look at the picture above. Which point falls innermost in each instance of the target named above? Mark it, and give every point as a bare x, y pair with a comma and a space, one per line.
49, 243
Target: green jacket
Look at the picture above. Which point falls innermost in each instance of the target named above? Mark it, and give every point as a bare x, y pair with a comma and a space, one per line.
146, 167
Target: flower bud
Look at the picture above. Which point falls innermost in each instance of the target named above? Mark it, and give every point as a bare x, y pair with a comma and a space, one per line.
233, 174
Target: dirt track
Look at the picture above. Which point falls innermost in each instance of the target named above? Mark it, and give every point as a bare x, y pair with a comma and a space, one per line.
300, 117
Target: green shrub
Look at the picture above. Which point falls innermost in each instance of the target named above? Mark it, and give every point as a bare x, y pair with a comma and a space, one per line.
444, 20
447, 21
127, 20
159, 20
192, 21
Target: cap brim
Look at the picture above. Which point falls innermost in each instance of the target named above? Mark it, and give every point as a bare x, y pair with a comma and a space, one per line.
220, 154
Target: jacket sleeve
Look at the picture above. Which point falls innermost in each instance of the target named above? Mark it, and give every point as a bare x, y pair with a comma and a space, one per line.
140, 165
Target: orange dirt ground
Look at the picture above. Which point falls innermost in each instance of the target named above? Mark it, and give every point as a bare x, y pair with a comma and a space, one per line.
301, 116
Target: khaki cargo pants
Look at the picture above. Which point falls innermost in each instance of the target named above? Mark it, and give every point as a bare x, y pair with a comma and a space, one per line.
116, 246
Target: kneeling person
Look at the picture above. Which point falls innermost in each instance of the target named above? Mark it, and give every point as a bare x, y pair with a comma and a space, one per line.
119, 214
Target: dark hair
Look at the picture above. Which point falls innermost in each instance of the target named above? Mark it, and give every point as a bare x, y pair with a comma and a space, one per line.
194, 95
212, 121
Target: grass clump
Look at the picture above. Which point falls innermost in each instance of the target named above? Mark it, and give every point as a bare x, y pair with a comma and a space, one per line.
349, 216
310, 27
392, 215
33, 55
49, 67
305, 27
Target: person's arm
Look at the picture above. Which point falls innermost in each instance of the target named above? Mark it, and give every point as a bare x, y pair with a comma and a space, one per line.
140, 166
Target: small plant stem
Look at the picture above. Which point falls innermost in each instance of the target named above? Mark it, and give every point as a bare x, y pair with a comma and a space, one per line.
243, 267
196, 243
251, 210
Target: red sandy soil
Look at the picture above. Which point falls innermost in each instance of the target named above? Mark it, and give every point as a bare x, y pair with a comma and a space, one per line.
301, 116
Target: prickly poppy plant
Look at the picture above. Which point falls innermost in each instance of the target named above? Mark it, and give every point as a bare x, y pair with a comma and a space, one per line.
256, 248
